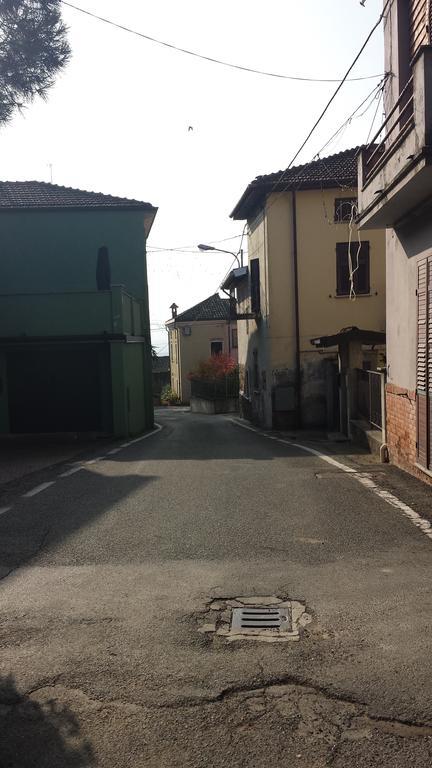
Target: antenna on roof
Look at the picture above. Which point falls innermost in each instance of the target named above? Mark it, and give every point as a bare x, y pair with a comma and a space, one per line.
50, 166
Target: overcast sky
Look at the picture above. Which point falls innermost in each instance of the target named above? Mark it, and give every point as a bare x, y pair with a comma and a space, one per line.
117, 120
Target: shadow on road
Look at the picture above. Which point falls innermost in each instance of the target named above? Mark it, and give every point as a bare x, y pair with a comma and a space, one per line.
45, 521
39, 735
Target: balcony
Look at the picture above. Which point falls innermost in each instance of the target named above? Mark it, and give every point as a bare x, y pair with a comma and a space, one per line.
395, 169
51, 315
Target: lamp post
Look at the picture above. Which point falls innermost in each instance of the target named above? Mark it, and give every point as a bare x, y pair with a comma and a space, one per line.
204, 247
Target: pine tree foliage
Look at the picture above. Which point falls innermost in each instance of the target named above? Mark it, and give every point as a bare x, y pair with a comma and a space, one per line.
33, 49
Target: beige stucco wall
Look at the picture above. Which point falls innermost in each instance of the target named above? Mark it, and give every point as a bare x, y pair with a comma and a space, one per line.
188, 351
321, 312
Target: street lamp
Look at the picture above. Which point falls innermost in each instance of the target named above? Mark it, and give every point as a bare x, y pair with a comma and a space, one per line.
204, 247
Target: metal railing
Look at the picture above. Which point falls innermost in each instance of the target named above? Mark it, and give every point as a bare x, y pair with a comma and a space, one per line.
398, 123
215, 389
370, 406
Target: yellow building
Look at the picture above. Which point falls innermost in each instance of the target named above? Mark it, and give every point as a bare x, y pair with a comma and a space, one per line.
309, 276
194, 335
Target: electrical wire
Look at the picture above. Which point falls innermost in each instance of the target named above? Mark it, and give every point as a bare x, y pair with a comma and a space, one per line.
330, 101
191, 248
211, 59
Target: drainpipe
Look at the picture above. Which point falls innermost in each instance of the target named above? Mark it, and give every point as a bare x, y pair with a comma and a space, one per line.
296, 309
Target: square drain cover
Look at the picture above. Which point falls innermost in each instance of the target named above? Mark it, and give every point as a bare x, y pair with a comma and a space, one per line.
251, 621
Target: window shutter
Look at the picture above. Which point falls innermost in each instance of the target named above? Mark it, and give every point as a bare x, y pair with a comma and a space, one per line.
422, 363
342, 272
362, 276
419, 18
255, 286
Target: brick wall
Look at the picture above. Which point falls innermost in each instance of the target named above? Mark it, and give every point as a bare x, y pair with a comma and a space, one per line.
401, 427
402, 430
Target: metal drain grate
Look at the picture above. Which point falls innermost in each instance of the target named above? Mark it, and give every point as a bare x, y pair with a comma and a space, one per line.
248, 621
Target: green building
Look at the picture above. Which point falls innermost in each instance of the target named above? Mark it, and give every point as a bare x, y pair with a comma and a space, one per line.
75, 353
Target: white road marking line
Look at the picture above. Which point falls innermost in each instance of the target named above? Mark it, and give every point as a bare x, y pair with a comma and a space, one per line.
72, 471
425, 526
38, 489
143, 437
3, 510
93, 461
305, 448
114, 450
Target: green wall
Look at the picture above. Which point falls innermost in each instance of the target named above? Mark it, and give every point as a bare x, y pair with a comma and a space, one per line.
131, 388
44, 251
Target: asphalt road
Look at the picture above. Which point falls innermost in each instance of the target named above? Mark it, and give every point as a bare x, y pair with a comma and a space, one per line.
107, 576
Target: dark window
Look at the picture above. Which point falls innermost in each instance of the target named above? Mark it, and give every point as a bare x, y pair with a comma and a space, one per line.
255, 286
359, 267
343, 208
216, 347
103, 270
234, 338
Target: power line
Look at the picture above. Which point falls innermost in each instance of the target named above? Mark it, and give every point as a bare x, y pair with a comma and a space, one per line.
330, 101
191, 248
213, 60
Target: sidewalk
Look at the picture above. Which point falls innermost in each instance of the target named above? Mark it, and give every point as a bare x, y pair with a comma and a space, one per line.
409, 489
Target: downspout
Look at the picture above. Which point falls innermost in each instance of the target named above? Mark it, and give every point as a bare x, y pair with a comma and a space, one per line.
296, 310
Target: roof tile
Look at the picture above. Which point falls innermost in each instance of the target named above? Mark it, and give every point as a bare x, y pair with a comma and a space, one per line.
213, 308
339, 170
28, 195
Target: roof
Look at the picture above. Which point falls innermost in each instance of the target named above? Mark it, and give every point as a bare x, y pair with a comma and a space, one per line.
161, 364
28, 195
213, 308
326, 172
350, 334
233, 277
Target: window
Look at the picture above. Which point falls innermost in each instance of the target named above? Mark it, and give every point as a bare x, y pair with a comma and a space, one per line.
234, 338
255, 286
216, 347
361, 283
343, 208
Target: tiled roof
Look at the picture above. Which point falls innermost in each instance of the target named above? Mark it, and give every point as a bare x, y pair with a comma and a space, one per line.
213, 308
161, 364
327, 172
41, 195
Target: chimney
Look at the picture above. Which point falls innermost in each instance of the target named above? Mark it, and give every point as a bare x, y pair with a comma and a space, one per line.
174, 309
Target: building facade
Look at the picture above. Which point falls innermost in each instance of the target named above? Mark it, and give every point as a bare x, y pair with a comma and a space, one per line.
194, 335
308, 276
75, 352
395, 192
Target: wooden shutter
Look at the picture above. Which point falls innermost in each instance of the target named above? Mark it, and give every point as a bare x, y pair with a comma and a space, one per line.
255, 285
342, 271
419, 19
362, 275
422, 363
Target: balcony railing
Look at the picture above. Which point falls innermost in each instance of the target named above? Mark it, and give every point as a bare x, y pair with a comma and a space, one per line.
398, 123
71, 314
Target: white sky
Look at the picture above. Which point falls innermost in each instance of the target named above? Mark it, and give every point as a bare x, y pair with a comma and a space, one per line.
117, 119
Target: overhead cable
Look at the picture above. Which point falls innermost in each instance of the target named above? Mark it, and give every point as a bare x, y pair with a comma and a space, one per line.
330, 101
212, 59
